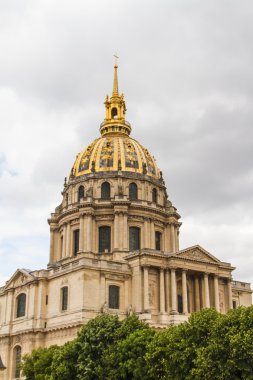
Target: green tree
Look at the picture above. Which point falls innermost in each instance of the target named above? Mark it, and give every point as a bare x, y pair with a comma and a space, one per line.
124, 359
64, 362
92, 341
37, 365
229, 353
172, 354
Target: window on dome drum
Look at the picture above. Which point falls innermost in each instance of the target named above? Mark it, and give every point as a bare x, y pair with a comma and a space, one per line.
64, 298
80, 193
76, 234
105, 190
158, 236
154, 196
104, 239
134, 238
133, 191
67, 199
21, 304
17, 360
113, 297
114, 113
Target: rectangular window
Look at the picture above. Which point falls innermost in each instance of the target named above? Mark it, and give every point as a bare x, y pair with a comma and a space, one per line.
64, 304
234, 304
104, 239
46, 299
76, 234
134, 238
158, 240
113, 297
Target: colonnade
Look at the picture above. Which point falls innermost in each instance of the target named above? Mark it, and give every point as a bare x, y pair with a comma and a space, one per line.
205, 290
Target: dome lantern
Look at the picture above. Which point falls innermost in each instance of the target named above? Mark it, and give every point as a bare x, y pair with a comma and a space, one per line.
115, 110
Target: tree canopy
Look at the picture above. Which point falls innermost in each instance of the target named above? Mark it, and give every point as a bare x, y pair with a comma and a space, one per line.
209, 346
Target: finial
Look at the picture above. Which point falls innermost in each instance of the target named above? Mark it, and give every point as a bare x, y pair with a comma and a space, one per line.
115, 88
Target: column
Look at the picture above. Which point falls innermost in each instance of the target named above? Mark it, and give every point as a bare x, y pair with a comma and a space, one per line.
167, 289
145, 283
63, 253
184, 292
197, 294
116, 231
230, 302
152, 235
173, 291
177, 238
68, 240
206, 285
172, 238
51, 245
125, 232
216, 293
81, 233
162, 294
89, 232
146, 235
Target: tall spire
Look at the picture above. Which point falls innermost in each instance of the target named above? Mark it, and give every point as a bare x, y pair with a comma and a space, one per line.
115, 110
115, 88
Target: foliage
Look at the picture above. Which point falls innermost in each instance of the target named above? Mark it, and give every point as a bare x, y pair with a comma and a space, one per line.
37, 365
92, 341
209, 346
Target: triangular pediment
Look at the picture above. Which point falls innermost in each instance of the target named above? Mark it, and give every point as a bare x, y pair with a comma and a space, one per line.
199, 254
19, 278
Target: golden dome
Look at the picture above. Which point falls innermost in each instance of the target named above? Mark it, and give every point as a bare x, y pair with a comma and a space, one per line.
115, 153
115, 150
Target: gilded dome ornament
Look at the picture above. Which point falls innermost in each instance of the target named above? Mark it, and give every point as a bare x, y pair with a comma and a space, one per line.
115, 151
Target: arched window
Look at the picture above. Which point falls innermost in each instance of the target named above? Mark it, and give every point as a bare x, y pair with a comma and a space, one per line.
76, 234
134, 238
158, 236
154, 196
17, 360
105, 190
113, 297
104, 239
80, 193
21, 303
64, 298
114, 113
133, 191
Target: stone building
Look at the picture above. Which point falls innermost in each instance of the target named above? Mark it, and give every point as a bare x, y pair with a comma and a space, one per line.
114, 247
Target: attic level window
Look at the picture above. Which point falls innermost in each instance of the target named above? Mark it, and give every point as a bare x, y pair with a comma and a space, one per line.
64, 298
105, 190
114, 113
154, 196
133, 192
21, 303
80, 193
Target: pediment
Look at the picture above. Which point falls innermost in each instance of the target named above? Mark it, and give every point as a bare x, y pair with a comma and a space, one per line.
19, 278
199, 254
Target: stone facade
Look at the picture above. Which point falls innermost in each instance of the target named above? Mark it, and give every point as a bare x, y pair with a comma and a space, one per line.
114, 248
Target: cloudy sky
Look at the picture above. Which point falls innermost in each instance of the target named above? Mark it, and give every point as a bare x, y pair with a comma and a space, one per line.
185, 68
